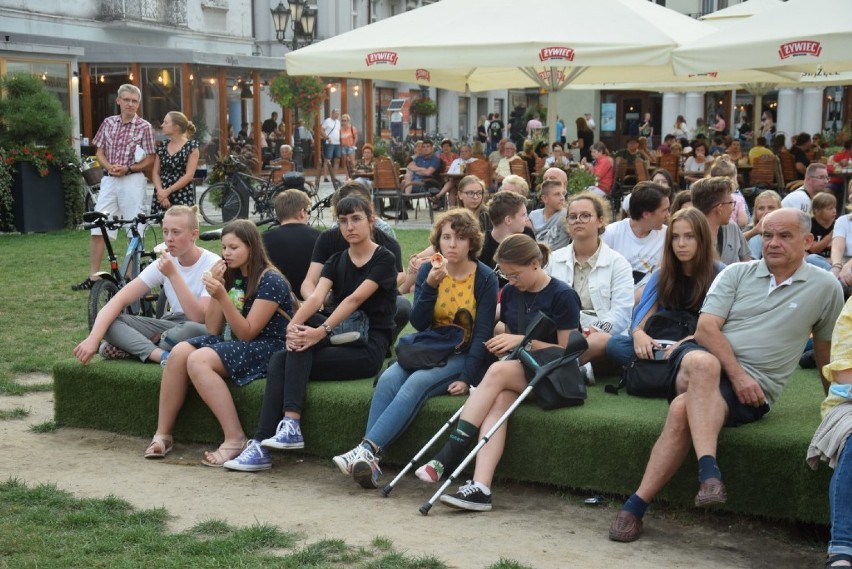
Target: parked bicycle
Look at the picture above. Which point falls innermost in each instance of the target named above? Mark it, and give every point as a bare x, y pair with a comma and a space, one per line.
140, 251
225, 201
92, 175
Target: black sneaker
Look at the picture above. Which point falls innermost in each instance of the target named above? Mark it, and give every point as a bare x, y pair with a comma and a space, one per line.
468, 497
85, 285
807, 360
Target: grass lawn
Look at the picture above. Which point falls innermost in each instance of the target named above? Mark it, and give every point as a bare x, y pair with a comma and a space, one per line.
41, 317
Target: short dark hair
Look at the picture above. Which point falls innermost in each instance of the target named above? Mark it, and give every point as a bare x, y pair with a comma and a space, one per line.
646, 196
505, 204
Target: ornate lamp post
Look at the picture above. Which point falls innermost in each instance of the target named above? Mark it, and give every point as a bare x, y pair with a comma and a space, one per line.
302, 19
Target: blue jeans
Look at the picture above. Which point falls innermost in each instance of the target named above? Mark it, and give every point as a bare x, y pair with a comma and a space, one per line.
818, 261
840, 502
620, 349
400, 394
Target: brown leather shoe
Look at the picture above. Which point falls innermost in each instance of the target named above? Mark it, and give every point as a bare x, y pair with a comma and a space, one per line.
626, 527
711, 491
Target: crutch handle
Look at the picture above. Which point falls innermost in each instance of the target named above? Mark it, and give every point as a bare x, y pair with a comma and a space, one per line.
424, 509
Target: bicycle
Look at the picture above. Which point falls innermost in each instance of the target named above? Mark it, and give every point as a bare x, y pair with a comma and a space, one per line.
92, 176
225, 201
141, 246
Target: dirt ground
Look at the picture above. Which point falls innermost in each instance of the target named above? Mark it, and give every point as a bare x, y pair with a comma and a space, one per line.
534, 526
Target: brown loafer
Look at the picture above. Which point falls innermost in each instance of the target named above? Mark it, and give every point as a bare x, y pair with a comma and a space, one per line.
711, 491
626, 527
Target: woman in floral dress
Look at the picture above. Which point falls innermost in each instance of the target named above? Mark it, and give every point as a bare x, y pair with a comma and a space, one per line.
175, 164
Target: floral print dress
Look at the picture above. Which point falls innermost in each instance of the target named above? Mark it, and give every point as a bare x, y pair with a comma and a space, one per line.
172, 168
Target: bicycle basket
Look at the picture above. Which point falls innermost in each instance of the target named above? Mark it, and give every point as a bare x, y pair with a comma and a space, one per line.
293, 180
93, 176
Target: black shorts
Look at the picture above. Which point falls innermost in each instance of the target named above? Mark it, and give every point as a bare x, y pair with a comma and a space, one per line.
738, 413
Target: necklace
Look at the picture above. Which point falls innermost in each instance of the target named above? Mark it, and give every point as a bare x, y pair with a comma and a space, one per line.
529, 306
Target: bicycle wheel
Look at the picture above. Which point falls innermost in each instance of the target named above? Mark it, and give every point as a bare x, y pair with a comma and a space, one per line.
102, 291
150, 238
220, 203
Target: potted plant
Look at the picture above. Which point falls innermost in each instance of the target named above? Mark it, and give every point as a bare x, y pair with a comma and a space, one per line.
304, 93
579, 179
41, 187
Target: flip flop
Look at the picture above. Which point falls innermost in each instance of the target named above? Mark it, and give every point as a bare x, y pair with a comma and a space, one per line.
223, 454
160, 446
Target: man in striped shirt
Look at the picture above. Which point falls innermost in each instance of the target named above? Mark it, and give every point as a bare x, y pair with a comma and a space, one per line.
122, 190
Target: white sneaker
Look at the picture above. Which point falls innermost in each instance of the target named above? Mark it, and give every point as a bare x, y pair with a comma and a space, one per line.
345, 461
588, 373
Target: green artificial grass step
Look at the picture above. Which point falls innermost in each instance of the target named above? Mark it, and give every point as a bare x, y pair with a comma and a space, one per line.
602, 446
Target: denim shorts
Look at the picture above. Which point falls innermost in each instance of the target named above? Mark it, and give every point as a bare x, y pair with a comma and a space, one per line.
738, 413
347, 150
332, 151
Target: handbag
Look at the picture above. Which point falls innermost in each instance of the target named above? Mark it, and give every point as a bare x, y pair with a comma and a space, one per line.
430, 348
563, 386
357, 322
651, 378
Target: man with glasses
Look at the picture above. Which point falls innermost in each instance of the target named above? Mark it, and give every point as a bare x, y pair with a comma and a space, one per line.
503, 166
713, 197
125, 149
816, 181
291, 245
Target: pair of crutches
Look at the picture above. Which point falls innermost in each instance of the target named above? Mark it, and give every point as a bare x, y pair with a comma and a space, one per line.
540, 326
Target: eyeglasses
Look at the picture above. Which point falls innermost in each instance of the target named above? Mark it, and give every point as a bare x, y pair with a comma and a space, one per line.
732, 202
472, 194
582, 218
509, 277
823, 177
354, 220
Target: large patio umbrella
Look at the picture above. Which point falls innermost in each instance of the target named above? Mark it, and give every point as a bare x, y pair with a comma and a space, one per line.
478, 45
809, 37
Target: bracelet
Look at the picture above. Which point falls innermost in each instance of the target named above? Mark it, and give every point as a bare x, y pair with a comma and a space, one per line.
327, 329
838, 265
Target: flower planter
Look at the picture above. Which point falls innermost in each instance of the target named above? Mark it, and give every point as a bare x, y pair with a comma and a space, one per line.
39, 202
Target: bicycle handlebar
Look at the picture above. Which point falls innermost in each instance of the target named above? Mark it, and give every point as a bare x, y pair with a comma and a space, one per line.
216, 234
95, 219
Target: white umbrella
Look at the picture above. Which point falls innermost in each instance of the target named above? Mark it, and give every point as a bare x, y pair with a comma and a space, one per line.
812, 37
478, 45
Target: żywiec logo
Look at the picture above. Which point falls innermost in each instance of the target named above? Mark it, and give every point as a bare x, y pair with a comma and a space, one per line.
797, 48
713, 74
547, 53
423, 75
382, 57
545, 75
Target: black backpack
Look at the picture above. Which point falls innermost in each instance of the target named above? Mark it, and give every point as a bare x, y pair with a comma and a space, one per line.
650, 378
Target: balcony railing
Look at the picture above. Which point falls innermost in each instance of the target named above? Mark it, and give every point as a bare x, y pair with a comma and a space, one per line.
165, 12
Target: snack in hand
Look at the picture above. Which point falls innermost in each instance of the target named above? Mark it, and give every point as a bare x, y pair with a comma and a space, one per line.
207, 275
161, 248
438, 260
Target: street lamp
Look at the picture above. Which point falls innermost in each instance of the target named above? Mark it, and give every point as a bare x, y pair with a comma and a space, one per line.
302, 19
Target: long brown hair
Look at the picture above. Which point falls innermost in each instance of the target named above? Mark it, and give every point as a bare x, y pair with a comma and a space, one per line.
672, 289
258, 261
520, 249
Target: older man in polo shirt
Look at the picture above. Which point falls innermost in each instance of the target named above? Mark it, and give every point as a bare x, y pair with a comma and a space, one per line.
123, 186
753, 326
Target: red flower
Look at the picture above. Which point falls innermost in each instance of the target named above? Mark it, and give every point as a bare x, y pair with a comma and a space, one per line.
26, 150
48, 156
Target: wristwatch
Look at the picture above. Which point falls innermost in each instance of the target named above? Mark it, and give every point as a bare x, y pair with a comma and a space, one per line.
327, 329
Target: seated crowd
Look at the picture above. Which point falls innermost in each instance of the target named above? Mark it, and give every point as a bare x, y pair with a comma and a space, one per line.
275, 303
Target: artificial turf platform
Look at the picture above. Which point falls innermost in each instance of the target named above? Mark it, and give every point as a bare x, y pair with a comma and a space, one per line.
601, 447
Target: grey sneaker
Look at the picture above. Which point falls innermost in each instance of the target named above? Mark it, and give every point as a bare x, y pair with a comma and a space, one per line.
253, 459
468, 497
345, 461
287, 436
366, 471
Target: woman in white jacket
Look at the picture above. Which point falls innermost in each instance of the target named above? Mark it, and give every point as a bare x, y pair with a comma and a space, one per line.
600, 275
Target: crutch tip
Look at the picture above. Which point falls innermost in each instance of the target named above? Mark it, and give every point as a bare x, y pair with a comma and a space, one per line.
386, 490
424, 509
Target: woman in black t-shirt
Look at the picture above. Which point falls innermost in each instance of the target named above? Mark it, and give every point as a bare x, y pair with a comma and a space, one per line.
362, 277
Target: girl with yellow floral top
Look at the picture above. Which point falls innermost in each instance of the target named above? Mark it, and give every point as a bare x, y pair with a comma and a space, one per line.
462, 285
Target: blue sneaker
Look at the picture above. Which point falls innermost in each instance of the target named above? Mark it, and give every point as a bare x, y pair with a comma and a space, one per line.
366, 471
252, 459
287, 436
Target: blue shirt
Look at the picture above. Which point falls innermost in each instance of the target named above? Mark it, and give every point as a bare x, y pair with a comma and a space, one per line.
426, 162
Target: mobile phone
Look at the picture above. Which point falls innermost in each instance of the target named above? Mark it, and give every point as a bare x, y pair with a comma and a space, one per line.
659, 353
